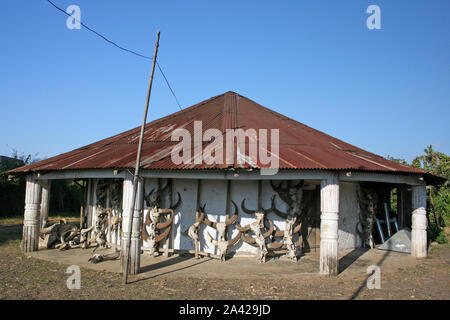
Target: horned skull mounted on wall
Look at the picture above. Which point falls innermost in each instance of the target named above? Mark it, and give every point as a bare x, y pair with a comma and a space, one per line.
222, 228
257, 228
193, 230
292, 195
158, 229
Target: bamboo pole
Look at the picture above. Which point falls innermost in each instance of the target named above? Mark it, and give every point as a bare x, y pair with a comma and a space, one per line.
138, 162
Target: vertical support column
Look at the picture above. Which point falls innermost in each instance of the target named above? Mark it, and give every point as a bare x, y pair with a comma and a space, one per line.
90, 203
45, 201
30, 235
419, 222
329, 204
135, 254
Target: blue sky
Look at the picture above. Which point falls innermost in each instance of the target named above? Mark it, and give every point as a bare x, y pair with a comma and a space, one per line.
386, 91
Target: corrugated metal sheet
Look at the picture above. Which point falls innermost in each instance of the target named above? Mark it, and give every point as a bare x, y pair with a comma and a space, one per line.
300, 147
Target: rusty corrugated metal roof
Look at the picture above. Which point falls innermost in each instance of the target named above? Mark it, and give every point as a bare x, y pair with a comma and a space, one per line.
300, 147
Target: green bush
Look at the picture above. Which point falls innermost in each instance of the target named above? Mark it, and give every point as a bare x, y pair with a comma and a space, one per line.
442, 237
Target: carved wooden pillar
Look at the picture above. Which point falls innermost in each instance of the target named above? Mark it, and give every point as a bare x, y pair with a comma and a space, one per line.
329, 204
135, 249
30, 235
419, 222
45, 201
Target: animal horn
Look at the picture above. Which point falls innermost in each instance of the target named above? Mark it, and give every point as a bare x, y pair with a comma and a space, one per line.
210, 239
243, 229
279, 213
206, 220
234, 240
248, 239
201, 209
147, 197
163, 235
278, 188
165, 224
209, 222
297, 228
233, 218
279, 233
268, 233
199, 216
84, 231
275, 245
178, 202
48, 229
147, 219
245, 209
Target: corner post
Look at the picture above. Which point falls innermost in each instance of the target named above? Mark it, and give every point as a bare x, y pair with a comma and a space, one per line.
419, 222
329, 204
135, 248
30, 234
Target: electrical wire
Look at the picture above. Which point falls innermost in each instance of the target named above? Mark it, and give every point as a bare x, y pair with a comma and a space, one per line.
98, 34
120, 47
173, 93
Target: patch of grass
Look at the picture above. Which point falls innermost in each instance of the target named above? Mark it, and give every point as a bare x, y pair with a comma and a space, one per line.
10, 236
69, 216
11, 220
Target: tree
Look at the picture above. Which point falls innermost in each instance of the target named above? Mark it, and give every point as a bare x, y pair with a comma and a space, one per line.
12, 192
438, 164
438, 197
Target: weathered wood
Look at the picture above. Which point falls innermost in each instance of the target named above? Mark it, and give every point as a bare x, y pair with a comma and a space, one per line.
45, 201
419, 222
81, 174
30, 235
329, 199
138, 162
135, 242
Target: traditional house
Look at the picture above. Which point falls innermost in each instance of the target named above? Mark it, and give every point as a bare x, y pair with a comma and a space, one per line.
322, 193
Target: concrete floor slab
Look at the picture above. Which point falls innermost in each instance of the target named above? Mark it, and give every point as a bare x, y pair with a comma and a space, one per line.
356, 260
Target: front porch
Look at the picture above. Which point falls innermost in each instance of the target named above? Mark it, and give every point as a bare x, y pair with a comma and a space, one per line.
351, 261
331, 210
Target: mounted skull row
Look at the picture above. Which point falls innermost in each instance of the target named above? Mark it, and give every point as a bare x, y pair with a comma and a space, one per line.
257, 233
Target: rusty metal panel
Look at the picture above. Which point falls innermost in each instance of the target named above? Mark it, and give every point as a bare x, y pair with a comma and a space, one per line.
300, 147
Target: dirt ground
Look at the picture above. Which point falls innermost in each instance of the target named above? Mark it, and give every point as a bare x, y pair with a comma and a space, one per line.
181, 277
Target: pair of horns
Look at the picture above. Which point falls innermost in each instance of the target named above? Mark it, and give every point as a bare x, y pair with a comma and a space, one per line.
228, 220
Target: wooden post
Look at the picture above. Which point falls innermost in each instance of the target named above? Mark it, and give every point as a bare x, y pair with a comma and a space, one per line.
329, 203
30, 235
127, 242
45, 201
419, 222
133, 218
89, 203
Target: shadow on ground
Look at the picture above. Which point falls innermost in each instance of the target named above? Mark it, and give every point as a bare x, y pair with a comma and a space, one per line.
167, 263
347, 260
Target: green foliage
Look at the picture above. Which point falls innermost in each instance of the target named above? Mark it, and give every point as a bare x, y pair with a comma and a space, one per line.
441, 238
438, 198
66, 196
12, 192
